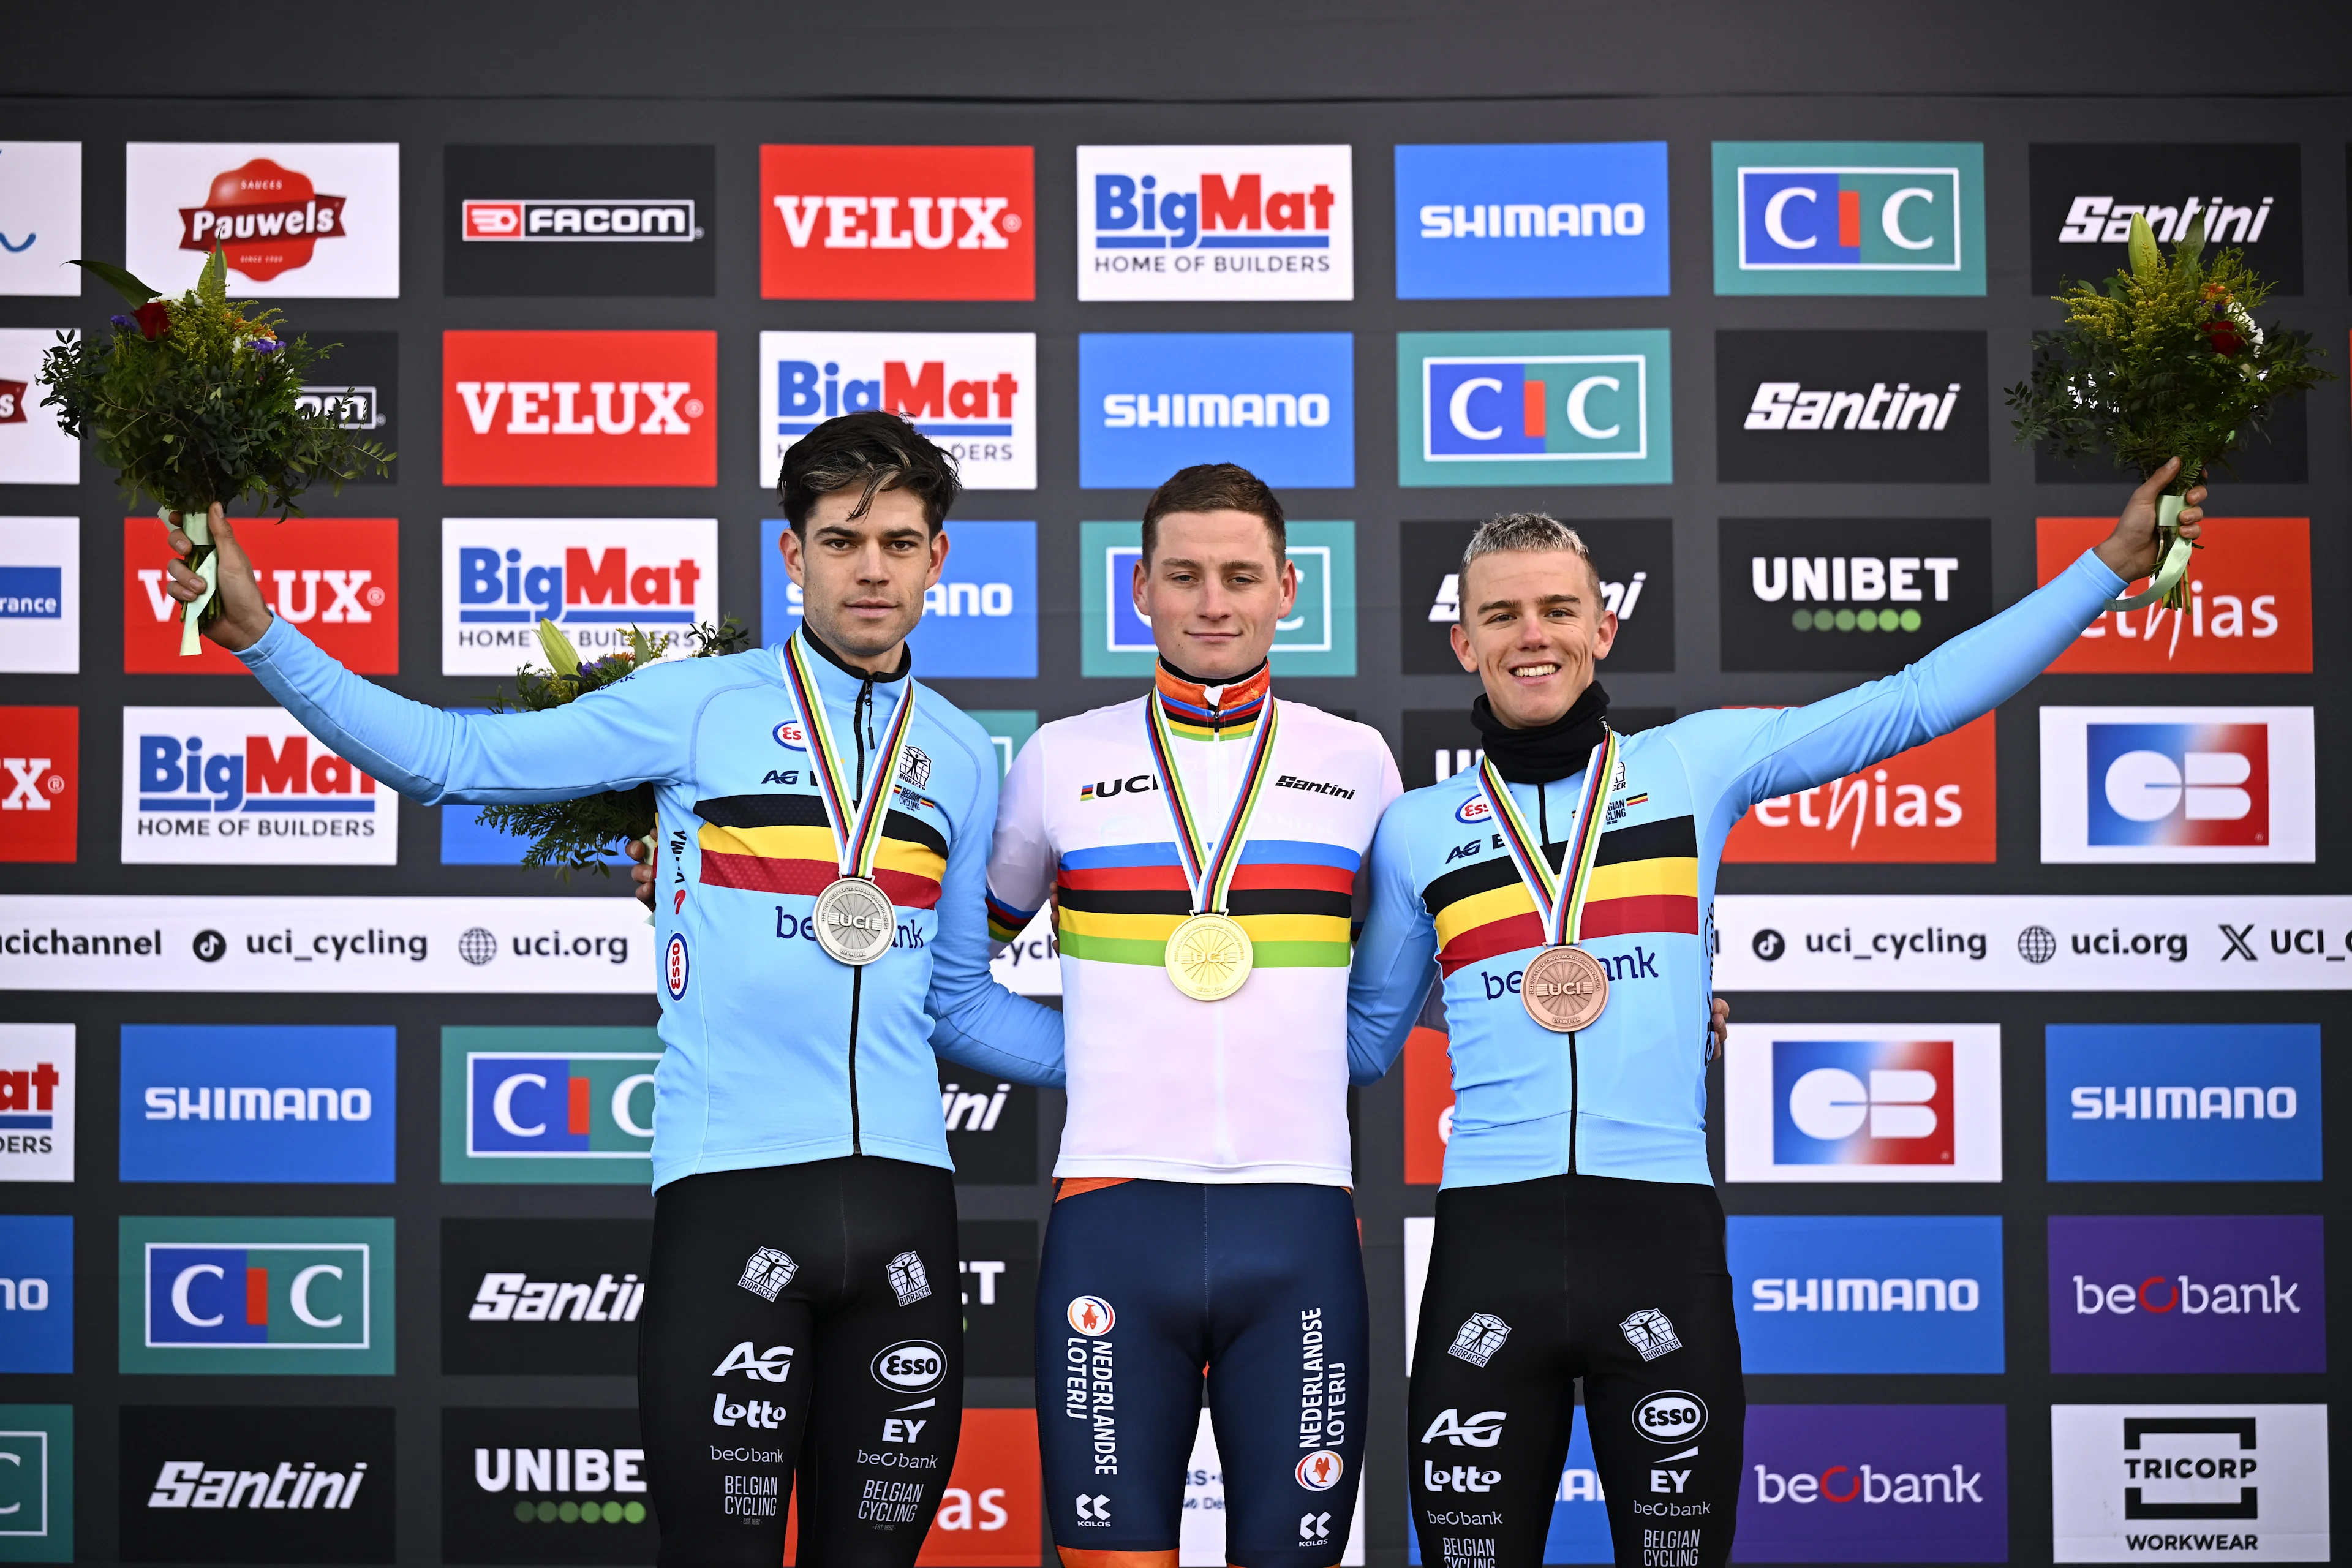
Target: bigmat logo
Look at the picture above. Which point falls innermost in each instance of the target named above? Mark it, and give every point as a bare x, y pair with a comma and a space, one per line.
1864, 595
2187, 1293
37, 1476
1875, 1483
519, 1486
243, 1297
579, 408
1318, 637
245, 786
975, 394
2188, 1483
2177, 785
1841, 1293
40, 796
1895, 407
2248, 602
40, 595
1935, 803
1282, 405
1849, 217
1534, 408
1636, 561
898, 223
980, 619
595, 577
338, 579
1531, 221
2184, 1102
260, 1484
259, 1102
36, 1102
310, 220
1863, 1102
1216, 223
2084, 196
32, 450
571, 1105
37, 1294
40, 232
569, 221
543, 1296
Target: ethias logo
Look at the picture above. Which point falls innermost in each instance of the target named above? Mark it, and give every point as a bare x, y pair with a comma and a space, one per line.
1216, 223
973, 393
1510, 408
1849, 217
579, 408
245, 786
595, 577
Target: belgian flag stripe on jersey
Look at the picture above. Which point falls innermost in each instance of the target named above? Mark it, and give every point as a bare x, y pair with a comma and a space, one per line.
782, 844
1645, 878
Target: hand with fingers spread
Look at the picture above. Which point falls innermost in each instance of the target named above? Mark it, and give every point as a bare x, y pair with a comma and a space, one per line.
243, 614
2135, 549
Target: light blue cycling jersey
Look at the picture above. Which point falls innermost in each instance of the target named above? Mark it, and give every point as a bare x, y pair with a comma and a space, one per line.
778, 1055
1627, 1096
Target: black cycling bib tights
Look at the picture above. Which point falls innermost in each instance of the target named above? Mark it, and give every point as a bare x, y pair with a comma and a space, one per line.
1533, 1285
802, 1321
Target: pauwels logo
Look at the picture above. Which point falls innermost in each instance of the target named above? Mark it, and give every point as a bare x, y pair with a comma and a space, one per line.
245, 786
1216, 223
1849, 594
2178, 785
337, 579
36, 1102
596, 577
975, 394
547, 1105
601, 220
1862, 1103
40, 775
275, 1484
897, 223
1849, 217
240, 1295
2248, 194
1897, 408
309, 220
580, 408
1935, 803
2188, 1483
543, 1296
2249, 610
1519, 408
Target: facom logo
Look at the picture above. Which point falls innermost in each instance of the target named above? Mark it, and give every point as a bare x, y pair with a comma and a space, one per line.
40, 217
975, 394
2181, 784
40, 594
338, 579
1507, 409
897, 223
1862, 1103
579, 408
2249, 609
595, 577
1849, 217
297, 1297
2184, 1102
980, 619
2195, 1293
259, 1102
661, 221
314, 220
33, 449
1543, 220
1282, 405
245, 786
1935, 803
1216, 223
1866, 1293
40, 766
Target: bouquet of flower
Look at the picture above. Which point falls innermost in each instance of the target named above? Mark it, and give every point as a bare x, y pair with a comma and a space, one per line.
198, 401
2163, 360
574, 834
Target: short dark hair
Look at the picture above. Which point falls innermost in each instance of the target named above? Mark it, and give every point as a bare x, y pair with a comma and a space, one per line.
1215, 486
874, 449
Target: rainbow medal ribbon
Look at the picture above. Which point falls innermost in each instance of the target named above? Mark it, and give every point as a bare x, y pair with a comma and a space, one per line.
854, 918
1209, 955
1565, 988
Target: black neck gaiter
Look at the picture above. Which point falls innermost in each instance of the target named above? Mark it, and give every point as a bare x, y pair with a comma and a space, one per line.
1549, 751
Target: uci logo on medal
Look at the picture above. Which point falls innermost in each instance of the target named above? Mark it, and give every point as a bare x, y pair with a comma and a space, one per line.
1849, 217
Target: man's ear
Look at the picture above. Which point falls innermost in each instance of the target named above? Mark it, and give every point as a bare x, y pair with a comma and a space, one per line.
938, 557
1135, 586
1462, 649
1604, 636
795, 557
1289, 585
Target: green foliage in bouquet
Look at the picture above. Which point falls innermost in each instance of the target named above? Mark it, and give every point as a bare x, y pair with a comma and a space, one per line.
574, 834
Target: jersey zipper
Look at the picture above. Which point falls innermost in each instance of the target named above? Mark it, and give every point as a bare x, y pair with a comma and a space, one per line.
861, 714
1543, 831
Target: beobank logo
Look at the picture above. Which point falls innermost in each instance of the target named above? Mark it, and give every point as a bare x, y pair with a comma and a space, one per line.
1931, 804
336, 578
40, 768
579, 408
595, 577
315, 220
2249, 610
1216, 223
897, 223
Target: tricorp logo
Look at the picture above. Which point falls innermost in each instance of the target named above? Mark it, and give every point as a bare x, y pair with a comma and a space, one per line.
2188, 1483
1866, 1293
579, 408
2178, 784
40, 771
259, 1102
37, 1296
2233, 1293
595, 577
312, 220
1216, 223
1933, 803
975, 394
1518, 408
1317, 638
2184, 1102
1282, 405
36, 1102
2249, 610
897, 223
245, 786
293, 1297
337, 579
40, 594
980, 619
1849, 217
1543, 220
1878, 1483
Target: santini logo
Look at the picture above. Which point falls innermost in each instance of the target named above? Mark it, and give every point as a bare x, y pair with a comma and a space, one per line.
2103, 220
1789, 405
188, 1483
519, 1298
660, 221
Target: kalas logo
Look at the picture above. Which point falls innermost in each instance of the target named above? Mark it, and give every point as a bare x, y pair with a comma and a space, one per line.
40, 764
1933, 803
245, 786
2249, 609
338, 579
580, 408
1225, 222
265, 218
596, 577
1828, 217
897, 223
972, 392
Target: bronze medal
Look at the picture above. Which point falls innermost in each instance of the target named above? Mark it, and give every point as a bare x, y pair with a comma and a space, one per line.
1564, 989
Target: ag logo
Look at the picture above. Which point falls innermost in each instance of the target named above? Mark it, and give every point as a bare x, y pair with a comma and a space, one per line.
1671, 1416
1320, 1470
911, 1366
1091, 1315
788, 736
1482, 1430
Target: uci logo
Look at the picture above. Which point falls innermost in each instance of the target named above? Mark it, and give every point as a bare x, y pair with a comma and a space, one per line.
1671, 1416
1473, 810
788, 736
1091, 1316
911, 1366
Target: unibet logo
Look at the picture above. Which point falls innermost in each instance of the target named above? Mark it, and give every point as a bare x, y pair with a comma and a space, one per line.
1846, 580
266, 219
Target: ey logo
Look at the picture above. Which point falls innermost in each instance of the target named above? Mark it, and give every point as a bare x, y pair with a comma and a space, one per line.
256, 1296
1317, 637
1849, 217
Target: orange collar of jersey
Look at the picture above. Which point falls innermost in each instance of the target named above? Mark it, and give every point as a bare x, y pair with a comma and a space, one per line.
1227, 713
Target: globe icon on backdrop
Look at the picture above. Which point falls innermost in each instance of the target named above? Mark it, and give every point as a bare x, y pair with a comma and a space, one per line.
478, 947
2036, 945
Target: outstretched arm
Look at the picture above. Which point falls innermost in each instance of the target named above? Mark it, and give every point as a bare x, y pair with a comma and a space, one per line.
979, 1023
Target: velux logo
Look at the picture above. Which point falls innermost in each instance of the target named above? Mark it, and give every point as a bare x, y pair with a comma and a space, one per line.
897, 223
595, 577
336, 578
40, 762
579, 408
1225, 222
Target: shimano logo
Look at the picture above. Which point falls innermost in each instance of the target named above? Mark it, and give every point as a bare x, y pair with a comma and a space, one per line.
1790, 405
1534, 220
1215, 410
1292, 781
1863, 1295
658, 221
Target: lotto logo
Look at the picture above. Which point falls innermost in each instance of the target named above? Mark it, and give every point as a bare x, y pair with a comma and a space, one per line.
897, 223
580, 408
338, 579
1215, 223
1831, 217
2148, 784
41, 761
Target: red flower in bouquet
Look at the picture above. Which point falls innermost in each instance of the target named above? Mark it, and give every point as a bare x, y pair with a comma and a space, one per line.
154, 320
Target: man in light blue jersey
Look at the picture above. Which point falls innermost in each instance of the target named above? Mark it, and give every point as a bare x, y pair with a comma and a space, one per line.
1562, 889
824, 828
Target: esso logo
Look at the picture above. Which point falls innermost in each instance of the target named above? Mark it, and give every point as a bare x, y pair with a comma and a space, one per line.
1320, 1472
788, 736
1670, 1416
911, 1366
1475, 809
1091, 1316
674, 967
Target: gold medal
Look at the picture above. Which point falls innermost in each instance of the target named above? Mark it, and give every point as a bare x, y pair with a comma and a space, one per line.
1564, 988
853, 919
1209, 956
